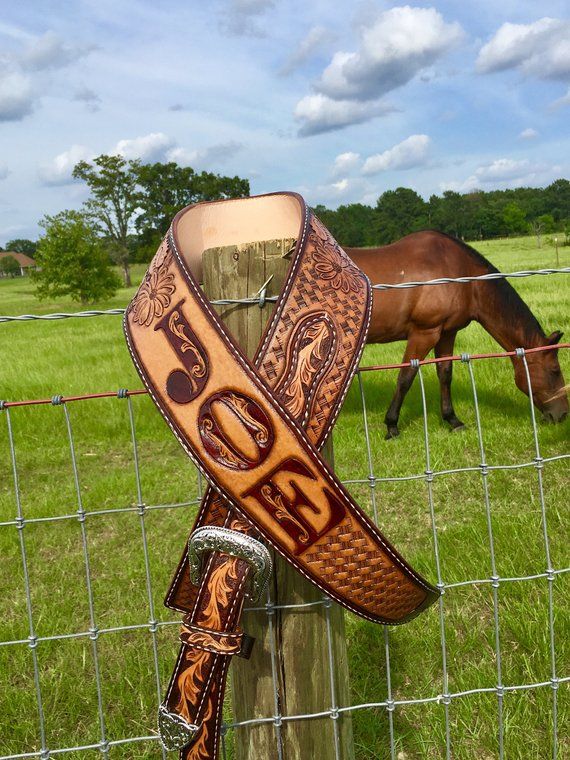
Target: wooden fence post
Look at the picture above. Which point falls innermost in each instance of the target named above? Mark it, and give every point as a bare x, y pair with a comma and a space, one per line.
292, 646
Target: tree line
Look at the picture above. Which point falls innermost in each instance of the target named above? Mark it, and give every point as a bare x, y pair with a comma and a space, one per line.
131, 204
477, 215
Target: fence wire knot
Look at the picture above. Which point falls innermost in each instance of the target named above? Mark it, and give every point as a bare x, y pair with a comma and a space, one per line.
122, 393
104, 746
520, 352
465, 358
57, 400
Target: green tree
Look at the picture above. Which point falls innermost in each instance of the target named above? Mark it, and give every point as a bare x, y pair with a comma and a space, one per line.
9, 267
114, 203
399, 212
558, 199
21, 245
165, 188
73, 261
351, 225
514, 219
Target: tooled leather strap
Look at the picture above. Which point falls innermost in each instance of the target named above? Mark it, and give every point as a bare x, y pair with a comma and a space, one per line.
307, 359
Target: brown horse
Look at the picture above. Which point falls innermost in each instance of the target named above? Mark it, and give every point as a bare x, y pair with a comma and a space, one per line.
430, 317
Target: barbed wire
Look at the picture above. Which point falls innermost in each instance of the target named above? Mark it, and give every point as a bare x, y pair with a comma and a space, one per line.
260, 298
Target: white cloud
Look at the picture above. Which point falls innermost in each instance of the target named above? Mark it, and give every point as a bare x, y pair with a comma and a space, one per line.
315, 40
204, 158
502, 169
528, 134
318, 113
400, 43
155, 146
151, 147
506, 172
51, 52
58, 171
344, 190
411, 152
240, 17
4, 171
346, 162
540, 49
16, 96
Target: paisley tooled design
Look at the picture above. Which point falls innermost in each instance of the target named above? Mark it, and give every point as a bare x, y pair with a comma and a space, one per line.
312, 348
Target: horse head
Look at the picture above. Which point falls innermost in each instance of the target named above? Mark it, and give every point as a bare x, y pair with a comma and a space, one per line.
546, 380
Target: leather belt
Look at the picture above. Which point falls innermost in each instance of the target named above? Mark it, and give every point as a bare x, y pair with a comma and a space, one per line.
255, 430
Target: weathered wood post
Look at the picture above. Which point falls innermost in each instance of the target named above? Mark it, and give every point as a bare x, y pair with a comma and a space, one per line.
292, 645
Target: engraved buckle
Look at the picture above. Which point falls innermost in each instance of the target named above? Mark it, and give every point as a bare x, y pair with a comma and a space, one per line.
236, 544
175, 732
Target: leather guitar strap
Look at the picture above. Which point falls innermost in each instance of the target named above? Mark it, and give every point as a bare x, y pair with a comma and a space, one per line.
255, 429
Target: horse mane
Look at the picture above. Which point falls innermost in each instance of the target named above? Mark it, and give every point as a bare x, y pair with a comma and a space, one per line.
506, 296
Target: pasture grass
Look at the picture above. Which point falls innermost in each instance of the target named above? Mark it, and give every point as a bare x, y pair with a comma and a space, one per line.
40, 359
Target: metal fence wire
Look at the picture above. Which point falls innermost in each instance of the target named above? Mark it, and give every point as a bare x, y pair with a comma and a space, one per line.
146, 626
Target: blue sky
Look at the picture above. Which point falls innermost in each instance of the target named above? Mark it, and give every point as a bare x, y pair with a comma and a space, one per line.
338, 101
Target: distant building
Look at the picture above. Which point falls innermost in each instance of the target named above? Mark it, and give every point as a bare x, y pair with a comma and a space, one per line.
26, 262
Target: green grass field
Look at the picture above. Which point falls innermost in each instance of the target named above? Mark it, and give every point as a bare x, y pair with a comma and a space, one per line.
40, 359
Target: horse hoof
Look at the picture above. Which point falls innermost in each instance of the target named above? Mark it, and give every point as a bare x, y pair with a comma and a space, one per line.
458, 428
392, 433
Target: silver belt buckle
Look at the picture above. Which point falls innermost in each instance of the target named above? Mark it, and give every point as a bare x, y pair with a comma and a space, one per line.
236, 544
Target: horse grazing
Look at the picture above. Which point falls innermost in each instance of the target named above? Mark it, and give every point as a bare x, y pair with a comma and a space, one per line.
430, 317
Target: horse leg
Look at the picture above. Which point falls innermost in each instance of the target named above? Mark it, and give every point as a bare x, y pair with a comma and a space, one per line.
418, 347
444, 372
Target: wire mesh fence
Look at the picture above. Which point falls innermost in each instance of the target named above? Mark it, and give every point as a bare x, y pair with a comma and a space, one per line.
98, 573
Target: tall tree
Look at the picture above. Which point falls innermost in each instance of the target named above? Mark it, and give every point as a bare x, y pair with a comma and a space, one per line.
165, 188
22, 245
399, 212
114, 202
515, 219
73, 261
351, 225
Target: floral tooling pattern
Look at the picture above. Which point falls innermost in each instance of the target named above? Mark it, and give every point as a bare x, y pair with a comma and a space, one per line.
331, 263
155, 291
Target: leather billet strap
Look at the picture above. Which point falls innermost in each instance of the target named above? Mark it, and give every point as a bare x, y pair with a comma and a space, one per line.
255, 429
